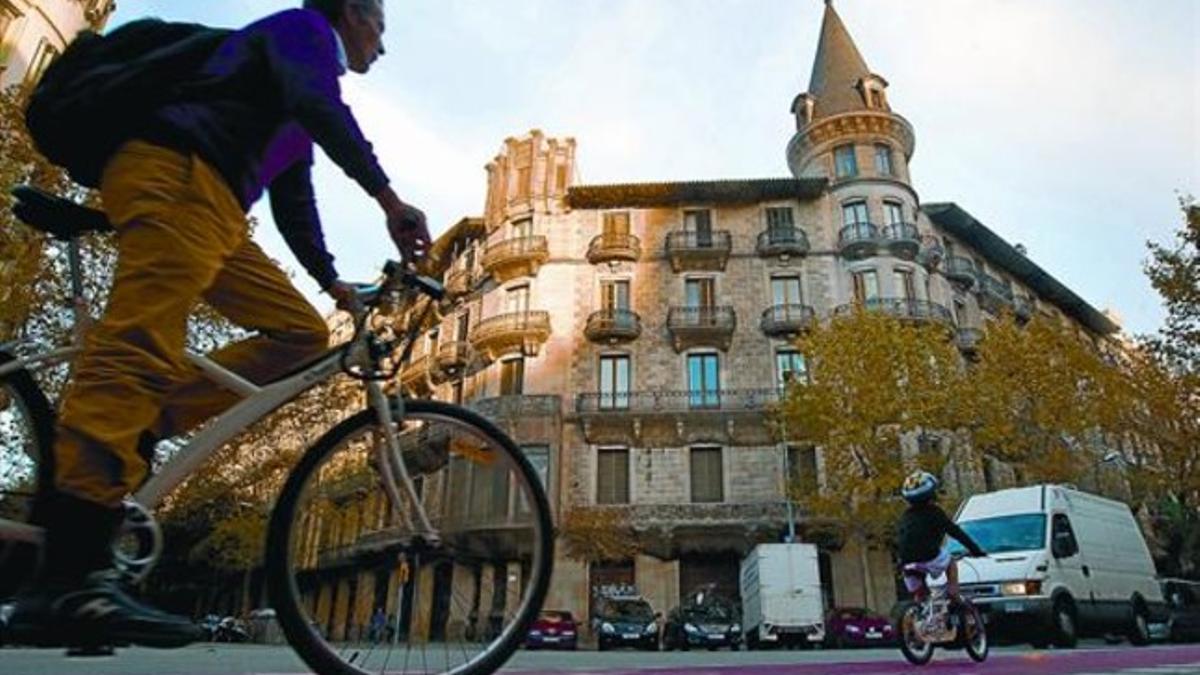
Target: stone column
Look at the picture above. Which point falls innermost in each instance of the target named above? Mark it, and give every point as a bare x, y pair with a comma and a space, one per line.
341, 611
325, 606
512, 589
462, 597
422, 606
657, 581
487, 586
364, 602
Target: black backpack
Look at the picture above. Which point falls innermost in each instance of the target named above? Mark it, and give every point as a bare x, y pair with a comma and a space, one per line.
94, 97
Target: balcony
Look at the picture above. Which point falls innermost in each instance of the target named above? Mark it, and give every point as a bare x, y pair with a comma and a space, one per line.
967, 340
931, 253
904, 309
518, 257
523, 331
701, 327
787, 321
664, 530
458, 281
858, 241
611, 326
961, 271
610, 248
677, 418
415, 374
699, 251
903, 240
783, 243
450, 361
994, 295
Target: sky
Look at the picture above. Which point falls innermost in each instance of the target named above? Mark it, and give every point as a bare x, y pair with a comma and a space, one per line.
1070, 126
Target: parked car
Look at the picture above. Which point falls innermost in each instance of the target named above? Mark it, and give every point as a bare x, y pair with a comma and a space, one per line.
704, 620
1062, 563
1183, 610
856, 627
625, 621
553, 630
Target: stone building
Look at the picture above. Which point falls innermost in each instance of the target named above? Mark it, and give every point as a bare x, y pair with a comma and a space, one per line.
34, 32
630, 336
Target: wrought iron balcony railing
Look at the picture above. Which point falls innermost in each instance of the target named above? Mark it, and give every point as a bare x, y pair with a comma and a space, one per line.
783, 242
614, 247
512, 258
903, 240
690, 250
613, 325
700, 400
901, 308
525, 331
787, 320
710, 326
858, 240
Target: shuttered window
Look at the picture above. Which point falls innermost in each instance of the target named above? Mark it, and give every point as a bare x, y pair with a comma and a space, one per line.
707, 475
612, 476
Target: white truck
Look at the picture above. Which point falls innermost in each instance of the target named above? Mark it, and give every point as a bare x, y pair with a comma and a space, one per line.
781, 595
1060, 563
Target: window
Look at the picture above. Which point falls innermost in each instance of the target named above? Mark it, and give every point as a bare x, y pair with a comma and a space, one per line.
866, 286
512, 377
789, 367
893, 212
699, 222
780, 225
614, 382
785, 291
614, 294
905, 286
700, 292
704, 386
522, 228
523, 182
802, 471
539, 457
883, 159
612, 476
464, 325
517, 300
855, 213
707, 475
845, 163
616, 224
41, 60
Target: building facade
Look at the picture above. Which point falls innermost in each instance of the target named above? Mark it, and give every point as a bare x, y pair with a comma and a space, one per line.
631, 336
34, 32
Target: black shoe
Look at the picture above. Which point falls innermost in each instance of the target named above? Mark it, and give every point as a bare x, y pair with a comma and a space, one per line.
97, 613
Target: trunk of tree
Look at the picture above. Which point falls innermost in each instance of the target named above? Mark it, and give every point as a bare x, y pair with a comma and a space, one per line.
245, 603
868, 586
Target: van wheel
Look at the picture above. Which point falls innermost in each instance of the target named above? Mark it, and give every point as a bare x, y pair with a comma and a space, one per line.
1139, 628
1064, 624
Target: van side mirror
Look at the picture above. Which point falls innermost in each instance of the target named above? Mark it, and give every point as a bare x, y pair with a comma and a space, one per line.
1063, 545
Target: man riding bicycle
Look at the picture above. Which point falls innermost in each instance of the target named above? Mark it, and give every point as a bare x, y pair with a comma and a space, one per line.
178, 195
922, 530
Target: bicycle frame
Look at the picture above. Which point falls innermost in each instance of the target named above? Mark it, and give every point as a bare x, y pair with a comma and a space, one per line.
257, 403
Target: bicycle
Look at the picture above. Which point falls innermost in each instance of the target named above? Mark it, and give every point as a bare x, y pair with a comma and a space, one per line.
933, 623
439, 542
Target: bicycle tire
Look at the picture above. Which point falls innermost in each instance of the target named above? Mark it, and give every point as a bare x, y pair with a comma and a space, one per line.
977, 649
18, 560
286, 598
914, 654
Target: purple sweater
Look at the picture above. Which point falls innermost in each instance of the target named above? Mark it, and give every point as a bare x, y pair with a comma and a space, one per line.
275, 90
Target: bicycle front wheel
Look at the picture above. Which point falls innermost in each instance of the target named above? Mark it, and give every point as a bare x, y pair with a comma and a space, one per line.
360, 587
26, 468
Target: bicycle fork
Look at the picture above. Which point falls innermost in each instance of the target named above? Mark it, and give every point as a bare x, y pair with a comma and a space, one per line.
391, 463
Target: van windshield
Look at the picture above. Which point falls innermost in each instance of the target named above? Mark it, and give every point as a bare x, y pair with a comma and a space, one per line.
1002, 534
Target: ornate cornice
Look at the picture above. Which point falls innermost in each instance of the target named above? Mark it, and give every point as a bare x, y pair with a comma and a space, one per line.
808, 141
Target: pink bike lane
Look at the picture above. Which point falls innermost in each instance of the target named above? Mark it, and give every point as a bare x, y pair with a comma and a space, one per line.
1173, 659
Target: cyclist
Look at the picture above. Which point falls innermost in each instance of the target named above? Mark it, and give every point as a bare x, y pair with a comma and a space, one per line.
922, 529
177, 195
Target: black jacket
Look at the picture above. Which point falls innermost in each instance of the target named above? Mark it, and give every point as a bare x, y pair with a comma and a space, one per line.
921, 531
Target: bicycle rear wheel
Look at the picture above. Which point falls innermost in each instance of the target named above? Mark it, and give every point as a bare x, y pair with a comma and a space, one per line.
26, 466
339, 551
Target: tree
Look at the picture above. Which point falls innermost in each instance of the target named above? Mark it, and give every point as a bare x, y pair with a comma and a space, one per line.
1039, 396
1164, 416
875, 381
597, 534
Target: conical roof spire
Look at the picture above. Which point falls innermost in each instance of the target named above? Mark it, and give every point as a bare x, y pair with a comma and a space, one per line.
837, 69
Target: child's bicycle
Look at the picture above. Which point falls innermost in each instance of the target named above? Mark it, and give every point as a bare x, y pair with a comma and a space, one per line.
939, 622
456, 521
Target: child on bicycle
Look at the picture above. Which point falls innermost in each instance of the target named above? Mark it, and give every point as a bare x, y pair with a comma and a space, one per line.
920, 534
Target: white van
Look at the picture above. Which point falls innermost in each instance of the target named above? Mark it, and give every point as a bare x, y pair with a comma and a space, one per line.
1060, 563
781, 596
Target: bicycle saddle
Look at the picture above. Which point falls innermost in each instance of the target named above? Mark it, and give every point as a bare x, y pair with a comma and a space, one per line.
58, 217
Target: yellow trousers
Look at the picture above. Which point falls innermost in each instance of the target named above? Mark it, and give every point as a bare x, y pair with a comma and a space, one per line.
182, 238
